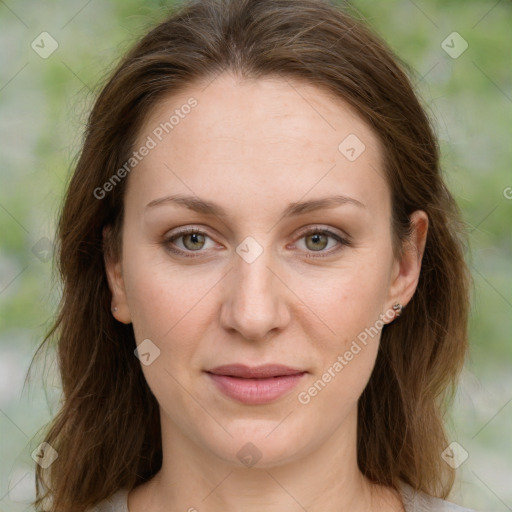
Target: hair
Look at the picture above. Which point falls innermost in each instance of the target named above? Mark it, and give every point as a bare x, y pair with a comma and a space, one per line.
107, 431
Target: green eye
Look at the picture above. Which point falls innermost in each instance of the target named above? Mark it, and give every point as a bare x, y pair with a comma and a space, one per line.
319, 239
316, 240
194, 240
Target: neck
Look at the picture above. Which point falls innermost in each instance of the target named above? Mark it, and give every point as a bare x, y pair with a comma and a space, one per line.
325, 478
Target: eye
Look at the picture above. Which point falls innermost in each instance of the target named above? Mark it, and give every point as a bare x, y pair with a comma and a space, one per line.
193, 240
317, 239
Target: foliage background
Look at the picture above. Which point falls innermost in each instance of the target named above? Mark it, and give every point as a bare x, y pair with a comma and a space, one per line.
43, 107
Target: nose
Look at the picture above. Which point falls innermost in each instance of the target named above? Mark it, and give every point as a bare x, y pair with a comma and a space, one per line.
255, 299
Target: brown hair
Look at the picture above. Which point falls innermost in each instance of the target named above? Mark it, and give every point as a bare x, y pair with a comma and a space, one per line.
107, 432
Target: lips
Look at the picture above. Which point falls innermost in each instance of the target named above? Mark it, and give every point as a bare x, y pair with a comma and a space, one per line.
256, 372
257, 385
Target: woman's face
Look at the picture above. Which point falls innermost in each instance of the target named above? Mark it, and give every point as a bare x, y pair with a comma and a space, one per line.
281, 273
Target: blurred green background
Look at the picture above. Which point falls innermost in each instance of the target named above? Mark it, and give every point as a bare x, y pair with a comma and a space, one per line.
43, 108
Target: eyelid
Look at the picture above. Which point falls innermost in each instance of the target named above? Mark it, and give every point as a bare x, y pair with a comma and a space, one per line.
313, 228
343, 240
188, 230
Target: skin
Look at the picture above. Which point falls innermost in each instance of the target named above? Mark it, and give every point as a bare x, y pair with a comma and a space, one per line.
253, 147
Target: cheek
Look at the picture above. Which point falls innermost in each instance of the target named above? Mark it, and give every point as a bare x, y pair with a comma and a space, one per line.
341, 315
346, 300
345, 353
162, 295
168, 307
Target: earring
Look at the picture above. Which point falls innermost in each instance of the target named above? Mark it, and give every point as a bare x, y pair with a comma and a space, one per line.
398, 308
114, 309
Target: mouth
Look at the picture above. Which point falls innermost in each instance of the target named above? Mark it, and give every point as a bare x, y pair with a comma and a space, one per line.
255, 385
266, 371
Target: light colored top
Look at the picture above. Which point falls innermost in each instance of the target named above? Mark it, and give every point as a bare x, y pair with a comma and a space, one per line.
413, 502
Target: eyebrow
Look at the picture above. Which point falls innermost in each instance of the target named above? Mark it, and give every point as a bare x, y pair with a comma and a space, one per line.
199, 205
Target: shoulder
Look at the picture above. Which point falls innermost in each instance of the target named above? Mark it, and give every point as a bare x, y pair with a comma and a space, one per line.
415, 501
116, 503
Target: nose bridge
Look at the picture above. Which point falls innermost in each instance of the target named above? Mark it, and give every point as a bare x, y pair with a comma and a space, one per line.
255, 304
255, 280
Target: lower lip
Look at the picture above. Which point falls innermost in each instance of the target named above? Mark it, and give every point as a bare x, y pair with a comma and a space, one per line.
255, 391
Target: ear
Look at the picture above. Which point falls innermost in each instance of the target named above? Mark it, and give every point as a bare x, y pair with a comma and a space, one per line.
115, 279
406, 272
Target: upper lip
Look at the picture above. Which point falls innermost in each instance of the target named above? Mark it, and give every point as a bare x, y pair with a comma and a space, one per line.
255, 372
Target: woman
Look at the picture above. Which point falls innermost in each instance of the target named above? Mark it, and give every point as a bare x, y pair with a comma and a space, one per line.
212, 357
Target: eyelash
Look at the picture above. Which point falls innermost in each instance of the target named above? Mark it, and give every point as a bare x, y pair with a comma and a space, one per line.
190, 231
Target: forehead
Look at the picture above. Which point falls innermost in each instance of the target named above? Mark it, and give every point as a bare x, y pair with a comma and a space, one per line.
266, 138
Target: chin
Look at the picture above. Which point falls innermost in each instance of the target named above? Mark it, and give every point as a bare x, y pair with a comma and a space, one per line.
260, 447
